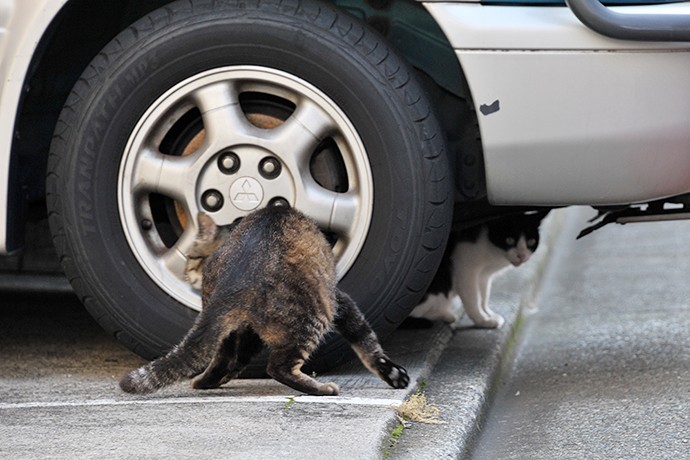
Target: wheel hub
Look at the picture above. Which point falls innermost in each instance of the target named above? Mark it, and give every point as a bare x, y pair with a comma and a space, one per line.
246, 193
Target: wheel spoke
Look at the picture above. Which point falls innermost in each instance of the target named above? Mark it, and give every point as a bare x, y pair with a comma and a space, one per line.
147, 171
168, 175
336, 212
345, 211
175, 258
222, 115
296, 139
178, 178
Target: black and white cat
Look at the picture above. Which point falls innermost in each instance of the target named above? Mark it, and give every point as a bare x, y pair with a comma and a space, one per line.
473, 257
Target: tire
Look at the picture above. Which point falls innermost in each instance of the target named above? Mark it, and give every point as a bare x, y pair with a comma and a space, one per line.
143, 143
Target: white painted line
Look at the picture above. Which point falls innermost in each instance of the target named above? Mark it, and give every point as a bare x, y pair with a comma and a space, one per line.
305, 399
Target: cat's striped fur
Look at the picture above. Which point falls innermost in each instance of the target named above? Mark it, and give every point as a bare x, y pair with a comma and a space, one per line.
270, 280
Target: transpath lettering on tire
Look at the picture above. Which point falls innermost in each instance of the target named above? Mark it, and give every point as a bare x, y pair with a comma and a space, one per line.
99, 123
84, 186
140, 71
86, 174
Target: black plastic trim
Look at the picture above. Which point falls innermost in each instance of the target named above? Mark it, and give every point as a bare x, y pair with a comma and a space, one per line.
16, 210
639, 27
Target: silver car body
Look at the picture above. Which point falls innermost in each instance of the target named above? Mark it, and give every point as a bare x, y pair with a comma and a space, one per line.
583, 119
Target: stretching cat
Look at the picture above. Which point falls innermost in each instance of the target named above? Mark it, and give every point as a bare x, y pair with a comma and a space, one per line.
471, 260
271, 281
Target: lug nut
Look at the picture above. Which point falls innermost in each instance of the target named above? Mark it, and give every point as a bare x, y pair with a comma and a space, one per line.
270, 168
279, 201
228, 162
212, 200
146, 224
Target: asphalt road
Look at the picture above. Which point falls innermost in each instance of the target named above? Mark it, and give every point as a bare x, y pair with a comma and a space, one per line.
59, 398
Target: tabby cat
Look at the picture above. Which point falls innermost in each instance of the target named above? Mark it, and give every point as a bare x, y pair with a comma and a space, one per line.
472, 258
270, 280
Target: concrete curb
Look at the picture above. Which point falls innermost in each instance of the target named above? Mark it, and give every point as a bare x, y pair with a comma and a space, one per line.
462, 383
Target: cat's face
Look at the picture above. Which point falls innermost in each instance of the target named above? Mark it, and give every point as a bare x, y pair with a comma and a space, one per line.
517, 236
518, 252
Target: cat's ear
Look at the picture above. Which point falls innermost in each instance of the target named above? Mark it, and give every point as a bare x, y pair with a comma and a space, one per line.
207, 228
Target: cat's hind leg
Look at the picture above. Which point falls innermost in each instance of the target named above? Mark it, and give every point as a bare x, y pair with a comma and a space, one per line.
285, 365
233, 355
225, 357
352, 325
438, 307
290, 346
184, 360
248, 345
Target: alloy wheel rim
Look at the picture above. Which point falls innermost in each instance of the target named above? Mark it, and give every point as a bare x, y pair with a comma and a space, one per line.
228, 141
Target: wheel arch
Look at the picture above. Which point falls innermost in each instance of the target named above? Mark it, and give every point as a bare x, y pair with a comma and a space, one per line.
415, 34
56, 43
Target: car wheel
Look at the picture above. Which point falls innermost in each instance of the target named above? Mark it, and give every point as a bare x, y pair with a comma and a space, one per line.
222, 108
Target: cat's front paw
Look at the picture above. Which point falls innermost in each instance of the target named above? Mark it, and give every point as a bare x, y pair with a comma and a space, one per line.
394, 375
495, 321
193, 273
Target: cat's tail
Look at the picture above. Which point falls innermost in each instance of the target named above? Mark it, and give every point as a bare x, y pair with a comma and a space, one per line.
350, 323
185, 360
